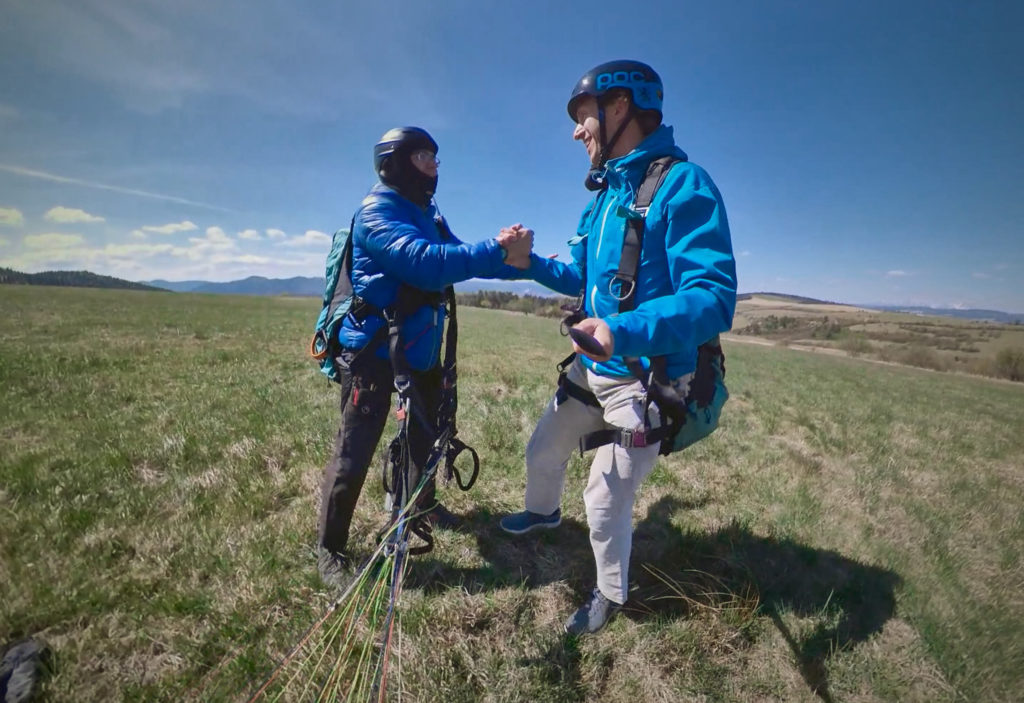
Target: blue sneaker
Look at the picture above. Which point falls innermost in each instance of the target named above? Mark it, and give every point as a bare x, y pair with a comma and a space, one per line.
521, 523
592, 615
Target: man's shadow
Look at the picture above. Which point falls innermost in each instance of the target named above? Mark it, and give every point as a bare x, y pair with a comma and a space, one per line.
679, 572
675, 573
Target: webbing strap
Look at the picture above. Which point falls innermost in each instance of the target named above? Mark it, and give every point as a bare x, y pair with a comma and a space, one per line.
627, 439
567, 389
632, 243
446, 446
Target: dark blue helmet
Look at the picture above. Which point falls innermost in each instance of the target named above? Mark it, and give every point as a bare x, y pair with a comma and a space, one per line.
403, 139
643, 84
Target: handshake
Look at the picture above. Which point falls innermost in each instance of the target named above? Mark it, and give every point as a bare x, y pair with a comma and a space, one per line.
517, 241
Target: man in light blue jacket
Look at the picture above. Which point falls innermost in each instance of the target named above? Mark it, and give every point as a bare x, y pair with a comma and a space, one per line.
683, 295
403, 257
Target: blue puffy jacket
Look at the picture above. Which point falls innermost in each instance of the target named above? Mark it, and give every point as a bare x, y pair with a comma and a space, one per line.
393, 242
686, 283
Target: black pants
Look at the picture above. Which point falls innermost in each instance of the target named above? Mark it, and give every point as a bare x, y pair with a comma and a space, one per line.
366, 389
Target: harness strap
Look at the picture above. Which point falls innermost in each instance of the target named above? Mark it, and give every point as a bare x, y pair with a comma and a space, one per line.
632, 243
627, 439
447, 446
655, 382
567, 389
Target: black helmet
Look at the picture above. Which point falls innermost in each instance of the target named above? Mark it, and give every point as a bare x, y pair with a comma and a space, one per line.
399, 173
638, 78
404, 139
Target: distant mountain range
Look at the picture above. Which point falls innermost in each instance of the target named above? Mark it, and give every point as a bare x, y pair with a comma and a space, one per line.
253, 285
314, 287
305, 286
1006, 318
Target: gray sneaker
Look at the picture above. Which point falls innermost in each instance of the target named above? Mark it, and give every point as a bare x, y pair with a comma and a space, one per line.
592, 615
521, 523
333, 568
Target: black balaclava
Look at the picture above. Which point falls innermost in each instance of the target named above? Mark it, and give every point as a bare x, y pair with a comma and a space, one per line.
398, 171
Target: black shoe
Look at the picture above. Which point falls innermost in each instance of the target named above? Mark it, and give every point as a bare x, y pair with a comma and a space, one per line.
442, 518
592, 615
333, 568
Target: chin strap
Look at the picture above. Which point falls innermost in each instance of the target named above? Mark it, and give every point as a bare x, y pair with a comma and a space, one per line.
595, 179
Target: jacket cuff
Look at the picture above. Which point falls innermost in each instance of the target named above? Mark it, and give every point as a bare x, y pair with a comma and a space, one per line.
620, 333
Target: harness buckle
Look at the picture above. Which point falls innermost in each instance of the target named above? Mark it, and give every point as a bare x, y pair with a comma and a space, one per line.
629, 439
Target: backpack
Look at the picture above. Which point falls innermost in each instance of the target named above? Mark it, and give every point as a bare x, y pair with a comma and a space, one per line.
684, 420
337, 302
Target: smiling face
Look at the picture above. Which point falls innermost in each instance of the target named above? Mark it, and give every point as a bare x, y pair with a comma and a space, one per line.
588, 128
588, 125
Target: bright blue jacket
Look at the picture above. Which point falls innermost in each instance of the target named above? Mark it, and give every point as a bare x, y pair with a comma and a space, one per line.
686, 283
394, 241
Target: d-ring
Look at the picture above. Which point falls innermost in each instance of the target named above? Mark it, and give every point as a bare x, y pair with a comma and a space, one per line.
632, 287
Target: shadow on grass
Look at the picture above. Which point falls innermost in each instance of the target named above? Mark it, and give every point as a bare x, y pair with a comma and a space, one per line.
678, 574
534, 559
733, 569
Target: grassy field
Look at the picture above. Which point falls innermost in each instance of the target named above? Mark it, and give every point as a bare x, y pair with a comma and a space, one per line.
853, 532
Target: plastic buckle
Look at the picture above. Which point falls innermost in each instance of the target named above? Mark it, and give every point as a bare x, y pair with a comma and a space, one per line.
628, 439
631, 213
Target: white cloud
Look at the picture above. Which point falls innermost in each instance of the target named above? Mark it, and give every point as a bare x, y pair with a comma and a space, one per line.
11, 216
216, 237
65, 215
249, 234
745, 252
241, 259
53, 241
896, 273
135, 250
172, 228
276, 234
981, 275
4, 242
39, 259
112, 258
216, 240
311, 238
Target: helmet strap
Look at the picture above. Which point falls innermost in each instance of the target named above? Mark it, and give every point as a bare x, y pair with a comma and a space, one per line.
595, 179
607, 146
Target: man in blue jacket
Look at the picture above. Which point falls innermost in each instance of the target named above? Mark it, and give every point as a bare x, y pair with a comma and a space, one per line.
403, 257
684, 294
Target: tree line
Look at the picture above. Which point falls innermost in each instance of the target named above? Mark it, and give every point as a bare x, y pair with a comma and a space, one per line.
527, 304
79, 279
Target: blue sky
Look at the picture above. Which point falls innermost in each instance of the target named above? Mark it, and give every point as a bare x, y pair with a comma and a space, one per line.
867, 152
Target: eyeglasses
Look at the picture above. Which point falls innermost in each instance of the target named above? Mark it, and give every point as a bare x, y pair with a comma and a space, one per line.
425, 157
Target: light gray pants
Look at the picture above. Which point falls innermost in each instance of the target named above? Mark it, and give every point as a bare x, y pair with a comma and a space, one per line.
615, 474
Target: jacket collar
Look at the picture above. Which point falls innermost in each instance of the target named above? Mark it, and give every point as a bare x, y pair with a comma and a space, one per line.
382, 189
630, 168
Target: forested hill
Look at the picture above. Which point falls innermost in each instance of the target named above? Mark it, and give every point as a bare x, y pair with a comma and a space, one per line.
77, 279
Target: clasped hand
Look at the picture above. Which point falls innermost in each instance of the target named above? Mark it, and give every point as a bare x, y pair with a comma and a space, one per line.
517, 241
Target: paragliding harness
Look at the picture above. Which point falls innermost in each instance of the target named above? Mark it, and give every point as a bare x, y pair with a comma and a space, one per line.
684, 420
401, 478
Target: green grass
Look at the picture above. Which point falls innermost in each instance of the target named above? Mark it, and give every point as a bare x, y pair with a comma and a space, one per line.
852, 529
